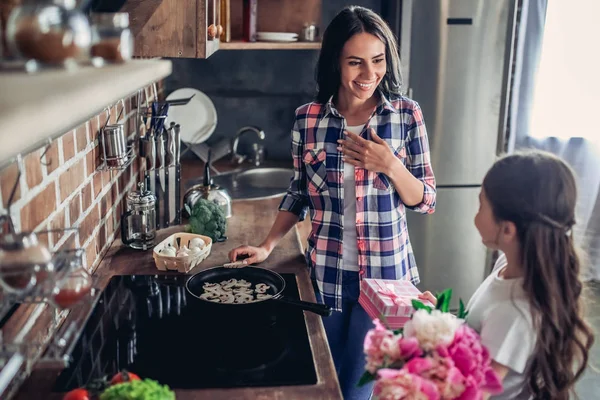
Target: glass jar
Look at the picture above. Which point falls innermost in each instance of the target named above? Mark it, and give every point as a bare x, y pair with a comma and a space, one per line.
138, 224
74, 283
48, 31
24, 262
112, 40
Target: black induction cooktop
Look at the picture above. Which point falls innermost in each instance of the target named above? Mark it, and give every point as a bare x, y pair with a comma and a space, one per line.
148, 325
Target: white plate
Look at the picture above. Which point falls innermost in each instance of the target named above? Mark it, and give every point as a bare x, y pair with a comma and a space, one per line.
198, 118
277, 36
278, 40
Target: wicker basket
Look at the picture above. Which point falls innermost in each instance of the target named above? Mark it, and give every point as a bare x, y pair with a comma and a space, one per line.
181, 264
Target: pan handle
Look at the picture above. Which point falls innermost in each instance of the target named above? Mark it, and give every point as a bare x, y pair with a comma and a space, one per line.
317, 308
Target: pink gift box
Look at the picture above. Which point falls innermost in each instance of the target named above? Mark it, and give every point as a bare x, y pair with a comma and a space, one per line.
390, 298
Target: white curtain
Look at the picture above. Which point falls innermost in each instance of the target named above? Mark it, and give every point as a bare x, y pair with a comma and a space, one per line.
556, 103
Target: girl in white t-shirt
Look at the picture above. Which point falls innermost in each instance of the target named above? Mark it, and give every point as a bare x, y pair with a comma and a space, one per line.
528, 311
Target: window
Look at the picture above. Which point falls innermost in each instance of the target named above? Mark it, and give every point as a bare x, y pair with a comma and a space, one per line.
566, 100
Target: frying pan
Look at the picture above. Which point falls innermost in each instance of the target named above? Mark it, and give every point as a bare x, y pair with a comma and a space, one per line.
253, 275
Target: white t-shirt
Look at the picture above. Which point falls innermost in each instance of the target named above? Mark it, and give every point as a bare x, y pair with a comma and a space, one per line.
350, 242
500, 312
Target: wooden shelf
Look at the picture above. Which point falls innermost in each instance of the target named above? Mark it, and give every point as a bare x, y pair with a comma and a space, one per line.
36, 107
239, 45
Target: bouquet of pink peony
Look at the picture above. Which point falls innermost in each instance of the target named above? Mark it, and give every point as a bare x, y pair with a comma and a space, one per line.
436, 356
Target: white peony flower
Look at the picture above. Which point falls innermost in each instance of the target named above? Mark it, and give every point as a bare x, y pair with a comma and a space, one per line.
433, 329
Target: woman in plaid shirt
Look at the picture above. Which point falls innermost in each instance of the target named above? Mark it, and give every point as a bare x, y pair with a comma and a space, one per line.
361, 157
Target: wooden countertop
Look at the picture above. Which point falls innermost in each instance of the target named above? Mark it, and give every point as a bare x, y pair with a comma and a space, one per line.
250, 223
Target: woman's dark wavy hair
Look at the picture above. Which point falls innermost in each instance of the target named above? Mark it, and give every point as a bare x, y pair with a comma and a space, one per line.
537, 192
350, 21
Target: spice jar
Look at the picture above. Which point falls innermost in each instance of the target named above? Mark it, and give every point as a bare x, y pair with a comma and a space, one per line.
111, 37
49, 31
24, 262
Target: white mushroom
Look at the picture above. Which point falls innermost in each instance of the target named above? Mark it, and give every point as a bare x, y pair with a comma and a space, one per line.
243, 283
168, 251
197, 243
210, 285
195, 251
227, 298
262, 288
218, 291
243, 298
208, 296
242, 290
235, 291
229, 284
183, 252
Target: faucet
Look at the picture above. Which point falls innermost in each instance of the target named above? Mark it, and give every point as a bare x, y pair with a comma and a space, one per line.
257, 148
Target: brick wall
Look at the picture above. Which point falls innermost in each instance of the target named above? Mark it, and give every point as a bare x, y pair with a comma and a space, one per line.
63, 188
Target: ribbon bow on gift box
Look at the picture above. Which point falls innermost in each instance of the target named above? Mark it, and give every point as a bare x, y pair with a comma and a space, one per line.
388, 290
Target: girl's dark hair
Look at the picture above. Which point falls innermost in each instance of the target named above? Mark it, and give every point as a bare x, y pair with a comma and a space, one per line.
537, 192
350, 21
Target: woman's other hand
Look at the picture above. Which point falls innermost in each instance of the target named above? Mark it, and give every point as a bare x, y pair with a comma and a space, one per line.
428, 296
252, 254
373, 155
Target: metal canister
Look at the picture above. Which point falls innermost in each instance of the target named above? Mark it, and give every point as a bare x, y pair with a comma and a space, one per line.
115, 145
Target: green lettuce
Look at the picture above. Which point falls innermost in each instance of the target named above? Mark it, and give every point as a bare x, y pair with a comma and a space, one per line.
146, 389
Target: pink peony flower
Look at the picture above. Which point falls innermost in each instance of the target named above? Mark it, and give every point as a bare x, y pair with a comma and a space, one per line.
438, 358
374, 346
448, 379
473, 361
383, 348
409, 348
418, 365
399, 384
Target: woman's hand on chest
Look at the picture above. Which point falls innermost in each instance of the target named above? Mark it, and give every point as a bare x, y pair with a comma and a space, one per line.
373, 155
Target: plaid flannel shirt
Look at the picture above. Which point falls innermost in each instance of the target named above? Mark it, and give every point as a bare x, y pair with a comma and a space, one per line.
384, 249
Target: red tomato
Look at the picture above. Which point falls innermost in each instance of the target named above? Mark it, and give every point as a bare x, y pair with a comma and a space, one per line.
124, 376
77, 394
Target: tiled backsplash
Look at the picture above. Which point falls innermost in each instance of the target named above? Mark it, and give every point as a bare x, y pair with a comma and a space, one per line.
60, 187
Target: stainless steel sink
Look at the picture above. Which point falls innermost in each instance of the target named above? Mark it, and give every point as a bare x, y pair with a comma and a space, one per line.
255, 183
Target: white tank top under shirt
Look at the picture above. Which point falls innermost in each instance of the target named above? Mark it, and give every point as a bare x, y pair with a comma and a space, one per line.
350, 243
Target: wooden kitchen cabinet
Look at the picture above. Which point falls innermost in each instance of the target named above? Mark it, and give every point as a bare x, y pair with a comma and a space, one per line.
275, 16
173, 28
186, 28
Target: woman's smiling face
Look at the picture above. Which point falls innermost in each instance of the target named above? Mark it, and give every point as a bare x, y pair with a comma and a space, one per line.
362, 65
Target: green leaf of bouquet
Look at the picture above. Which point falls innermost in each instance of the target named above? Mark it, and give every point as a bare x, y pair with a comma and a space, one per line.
443, 301
462, 314
399, 331
417, 305
365, 378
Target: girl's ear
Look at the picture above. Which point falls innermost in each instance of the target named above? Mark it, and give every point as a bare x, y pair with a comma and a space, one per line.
508, 232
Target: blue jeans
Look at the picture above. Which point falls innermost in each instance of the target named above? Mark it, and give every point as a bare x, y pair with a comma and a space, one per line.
346, 331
